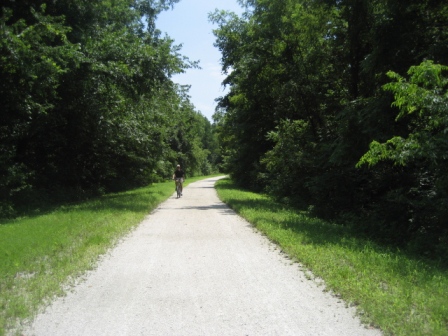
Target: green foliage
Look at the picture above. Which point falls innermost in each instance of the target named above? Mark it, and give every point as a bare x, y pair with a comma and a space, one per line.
87, 100
288, 163
422, 102
425, 97
277, 69
309, 93
33, 59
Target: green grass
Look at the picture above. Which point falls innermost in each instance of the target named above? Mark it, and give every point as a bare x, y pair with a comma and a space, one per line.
392, 291
41, 255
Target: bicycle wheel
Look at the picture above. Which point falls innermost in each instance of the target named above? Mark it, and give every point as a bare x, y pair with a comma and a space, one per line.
178, 190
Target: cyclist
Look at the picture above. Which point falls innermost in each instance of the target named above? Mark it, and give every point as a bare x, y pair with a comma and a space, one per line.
179, 174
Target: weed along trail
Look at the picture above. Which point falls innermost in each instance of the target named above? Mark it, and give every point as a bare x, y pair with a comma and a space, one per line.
193, 267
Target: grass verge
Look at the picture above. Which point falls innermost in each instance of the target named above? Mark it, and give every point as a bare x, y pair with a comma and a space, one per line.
41, 255
392, 291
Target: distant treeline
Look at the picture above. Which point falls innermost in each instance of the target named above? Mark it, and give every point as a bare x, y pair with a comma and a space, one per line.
87, 104
341, 107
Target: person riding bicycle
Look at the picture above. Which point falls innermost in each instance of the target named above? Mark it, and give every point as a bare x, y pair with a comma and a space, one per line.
179, 175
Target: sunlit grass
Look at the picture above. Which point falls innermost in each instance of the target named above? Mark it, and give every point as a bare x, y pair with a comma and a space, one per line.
41, 255
392, 291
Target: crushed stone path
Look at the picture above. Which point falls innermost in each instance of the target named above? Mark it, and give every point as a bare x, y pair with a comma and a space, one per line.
194, 267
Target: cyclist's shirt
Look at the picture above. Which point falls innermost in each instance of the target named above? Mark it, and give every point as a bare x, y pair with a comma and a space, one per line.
179, 173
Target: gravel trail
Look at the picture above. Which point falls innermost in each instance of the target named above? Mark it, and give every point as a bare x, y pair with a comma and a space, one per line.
193, 267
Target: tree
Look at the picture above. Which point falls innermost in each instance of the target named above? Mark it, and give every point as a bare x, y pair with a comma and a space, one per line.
277, 69
422, 101
306, 100
34, 58
87, 99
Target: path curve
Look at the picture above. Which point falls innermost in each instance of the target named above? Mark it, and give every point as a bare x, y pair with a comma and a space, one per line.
193, 267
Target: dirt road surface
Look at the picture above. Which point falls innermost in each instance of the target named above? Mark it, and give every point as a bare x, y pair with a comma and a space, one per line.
193, 267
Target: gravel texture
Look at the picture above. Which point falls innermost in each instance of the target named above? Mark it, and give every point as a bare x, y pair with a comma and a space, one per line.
194, 267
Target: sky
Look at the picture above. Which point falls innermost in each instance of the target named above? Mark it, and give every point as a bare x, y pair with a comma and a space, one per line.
188, 25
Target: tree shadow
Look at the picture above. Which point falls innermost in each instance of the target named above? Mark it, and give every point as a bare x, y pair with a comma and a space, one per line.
134, 200
221, 208
316, 231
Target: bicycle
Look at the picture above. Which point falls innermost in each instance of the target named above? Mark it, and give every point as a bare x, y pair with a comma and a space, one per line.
178, 187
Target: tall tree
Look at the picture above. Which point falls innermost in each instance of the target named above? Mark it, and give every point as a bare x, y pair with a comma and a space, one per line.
276, 74
87, 99
306, 100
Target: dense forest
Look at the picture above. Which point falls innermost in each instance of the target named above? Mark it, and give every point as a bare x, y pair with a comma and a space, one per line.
335, 106
341, 107
87, 102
